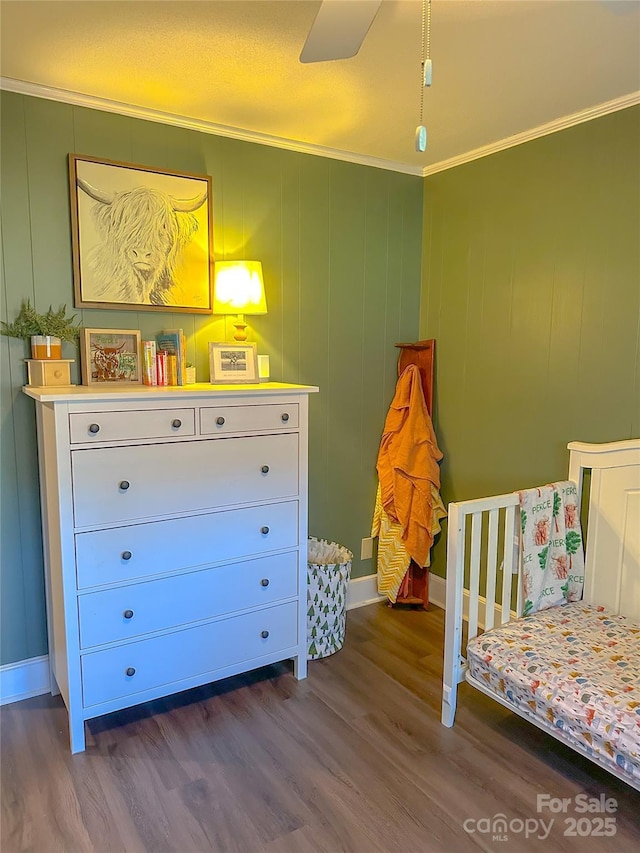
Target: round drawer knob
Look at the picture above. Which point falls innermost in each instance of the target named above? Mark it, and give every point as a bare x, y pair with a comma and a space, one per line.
264, 634
284, 417
265, 469
126, 555
264, 582
94, 428
177, 423
57, 374
124, 485
128, 614
220, 421
130, 670
264, 530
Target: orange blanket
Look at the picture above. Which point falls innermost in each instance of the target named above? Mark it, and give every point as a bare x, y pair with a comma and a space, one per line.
408, 465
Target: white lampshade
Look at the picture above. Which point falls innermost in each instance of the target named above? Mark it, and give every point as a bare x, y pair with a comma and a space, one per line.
239, 288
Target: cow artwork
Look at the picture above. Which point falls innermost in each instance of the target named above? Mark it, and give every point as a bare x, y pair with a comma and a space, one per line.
143, 237
107, 362
541, 531
143, 234
110, 356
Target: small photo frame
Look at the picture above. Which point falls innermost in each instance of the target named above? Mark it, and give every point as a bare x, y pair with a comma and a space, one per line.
233, 362
111, 357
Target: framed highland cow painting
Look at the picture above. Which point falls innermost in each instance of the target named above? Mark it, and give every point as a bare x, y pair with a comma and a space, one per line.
110, 356
142, 237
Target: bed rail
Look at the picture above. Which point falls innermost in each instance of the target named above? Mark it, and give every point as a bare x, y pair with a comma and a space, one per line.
483, 549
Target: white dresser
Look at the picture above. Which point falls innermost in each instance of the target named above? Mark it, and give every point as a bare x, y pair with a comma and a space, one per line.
175, 534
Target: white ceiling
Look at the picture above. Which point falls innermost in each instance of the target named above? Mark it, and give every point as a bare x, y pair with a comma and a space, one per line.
500, 69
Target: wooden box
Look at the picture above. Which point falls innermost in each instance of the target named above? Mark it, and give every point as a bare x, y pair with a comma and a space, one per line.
49, 372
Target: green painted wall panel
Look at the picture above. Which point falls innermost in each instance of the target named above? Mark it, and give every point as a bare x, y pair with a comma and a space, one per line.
531, 287
49, 133
23, 623
341, 247
372, 325
13, 613
290, 269
344, 380
314, 343
411, 261
105, 135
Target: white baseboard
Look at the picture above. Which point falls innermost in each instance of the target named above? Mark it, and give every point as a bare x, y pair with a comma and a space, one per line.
437, 590
363, 591
24, 679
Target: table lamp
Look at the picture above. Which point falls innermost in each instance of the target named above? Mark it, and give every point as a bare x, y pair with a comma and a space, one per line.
238, 288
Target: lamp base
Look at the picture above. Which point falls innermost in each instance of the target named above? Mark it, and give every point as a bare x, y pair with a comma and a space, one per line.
241, 331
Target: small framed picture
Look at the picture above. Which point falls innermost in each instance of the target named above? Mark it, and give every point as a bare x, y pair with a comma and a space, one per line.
111, 356
233, 363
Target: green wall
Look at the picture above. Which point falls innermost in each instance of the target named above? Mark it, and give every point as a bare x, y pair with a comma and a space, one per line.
341, 247
531, 287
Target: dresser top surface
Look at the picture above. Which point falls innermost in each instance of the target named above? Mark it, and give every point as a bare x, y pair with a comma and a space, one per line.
203, 391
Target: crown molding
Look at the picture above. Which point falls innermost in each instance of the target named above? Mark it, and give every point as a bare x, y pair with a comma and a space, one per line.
80, 100
105, 105
554, 126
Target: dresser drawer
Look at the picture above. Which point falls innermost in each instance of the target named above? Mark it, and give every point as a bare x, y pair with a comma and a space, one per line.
188, 653
126, 612
222, 419
116, 484
124, 426
141, 550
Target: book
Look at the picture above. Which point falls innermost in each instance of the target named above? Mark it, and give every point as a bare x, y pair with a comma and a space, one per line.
173, 341
172, 369
149, 370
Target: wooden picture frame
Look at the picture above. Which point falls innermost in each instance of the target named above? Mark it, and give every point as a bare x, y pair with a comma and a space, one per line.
110, 357
142, 237
233, 362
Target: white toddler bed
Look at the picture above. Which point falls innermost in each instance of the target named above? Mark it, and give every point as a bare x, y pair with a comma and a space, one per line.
573, 670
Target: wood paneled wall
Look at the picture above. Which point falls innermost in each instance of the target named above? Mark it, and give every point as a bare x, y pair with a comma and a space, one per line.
531, 286
341, 248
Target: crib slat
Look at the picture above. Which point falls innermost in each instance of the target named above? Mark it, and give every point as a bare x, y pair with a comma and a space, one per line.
454, 660
509, 529
492, 561
474, 575
517, 558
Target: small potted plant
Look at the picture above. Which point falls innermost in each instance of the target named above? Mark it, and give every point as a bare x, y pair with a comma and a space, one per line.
46, 331
190, 374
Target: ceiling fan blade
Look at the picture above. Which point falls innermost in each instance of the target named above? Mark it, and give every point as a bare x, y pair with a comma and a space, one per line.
339, 29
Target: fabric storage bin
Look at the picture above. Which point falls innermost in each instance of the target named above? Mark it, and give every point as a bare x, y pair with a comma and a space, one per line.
328, 573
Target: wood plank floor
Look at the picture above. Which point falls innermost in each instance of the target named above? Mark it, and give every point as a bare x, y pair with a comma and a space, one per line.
352, 759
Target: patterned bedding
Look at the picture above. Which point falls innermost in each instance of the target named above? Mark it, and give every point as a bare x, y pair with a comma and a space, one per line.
578, 667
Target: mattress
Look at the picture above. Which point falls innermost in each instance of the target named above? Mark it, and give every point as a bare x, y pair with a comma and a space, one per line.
578, 668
